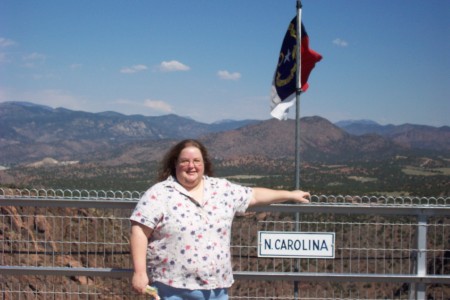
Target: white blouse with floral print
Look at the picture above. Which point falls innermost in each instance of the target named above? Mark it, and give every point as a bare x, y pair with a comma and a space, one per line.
190, 244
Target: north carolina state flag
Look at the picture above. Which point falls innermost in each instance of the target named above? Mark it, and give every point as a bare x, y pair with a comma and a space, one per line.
284, 81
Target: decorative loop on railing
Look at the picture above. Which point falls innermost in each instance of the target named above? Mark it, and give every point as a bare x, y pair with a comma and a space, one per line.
381, 200
76, 194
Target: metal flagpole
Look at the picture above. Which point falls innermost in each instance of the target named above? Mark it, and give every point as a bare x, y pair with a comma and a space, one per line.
298, 91
297, 128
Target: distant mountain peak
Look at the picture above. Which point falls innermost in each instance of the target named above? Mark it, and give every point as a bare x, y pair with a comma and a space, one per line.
223, 121
27, 104
110, 114
345, 123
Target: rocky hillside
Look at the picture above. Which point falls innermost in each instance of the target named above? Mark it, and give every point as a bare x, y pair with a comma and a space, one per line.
276, 139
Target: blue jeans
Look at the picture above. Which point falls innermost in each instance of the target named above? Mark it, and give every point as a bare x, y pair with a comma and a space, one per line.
170, 293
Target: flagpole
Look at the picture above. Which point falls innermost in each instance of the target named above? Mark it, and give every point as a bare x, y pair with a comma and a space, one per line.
297, 128
298, 91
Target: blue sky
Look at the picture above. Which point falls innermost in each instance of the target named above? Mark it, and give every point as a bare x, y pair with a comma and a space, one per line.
387, 61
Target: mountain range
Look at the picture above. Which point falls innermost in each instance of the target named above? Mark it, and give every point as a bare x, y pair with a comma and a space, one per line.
31, 132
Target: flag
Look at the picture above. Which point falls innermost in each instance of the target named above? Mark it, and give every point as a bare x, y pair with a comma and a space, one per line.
284, 81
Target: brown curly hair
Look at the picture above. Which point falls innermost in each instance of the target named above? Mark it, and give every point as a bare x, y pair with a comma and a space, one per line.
169, 162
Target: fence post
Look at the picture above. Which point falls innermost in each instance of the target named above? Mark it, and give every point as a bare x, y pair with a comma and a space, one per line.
418, 290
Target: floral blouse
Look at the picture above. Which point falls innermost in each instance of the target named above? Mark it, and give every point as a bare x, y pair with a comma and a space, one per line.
190, 244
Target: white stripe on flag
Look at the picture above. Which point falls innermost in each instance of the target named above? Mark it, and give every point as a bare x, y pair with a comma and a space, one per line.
280, 108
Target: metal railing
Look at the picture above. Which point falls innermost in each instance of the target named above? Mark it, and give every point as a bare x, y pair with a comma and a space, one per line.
74, 243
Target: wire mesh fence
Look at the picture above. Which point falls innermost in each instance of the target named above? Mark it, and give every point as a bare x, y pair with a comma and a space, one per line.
377, 247
364, 244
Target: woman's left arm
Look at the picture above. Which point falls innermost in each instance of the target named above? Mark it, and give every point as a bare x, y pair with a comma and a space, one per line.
264, 196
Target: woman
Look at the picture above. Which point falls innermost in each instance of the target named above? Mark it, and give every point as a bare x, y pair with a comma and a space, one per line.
183, 225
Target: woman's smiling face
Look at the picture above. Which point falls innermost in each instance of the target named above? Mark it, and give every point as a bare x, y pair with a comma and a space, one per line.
190, 167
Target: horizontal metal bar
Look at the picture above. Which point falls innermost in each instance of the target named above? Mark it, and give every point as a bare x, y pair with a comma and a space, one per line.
241, 275
61, 202
340, 277
65, 271
355, 209
291, 208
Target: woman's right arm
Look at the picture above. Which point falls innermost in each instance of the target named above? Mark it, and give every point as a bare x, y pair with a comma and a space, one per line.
138, 243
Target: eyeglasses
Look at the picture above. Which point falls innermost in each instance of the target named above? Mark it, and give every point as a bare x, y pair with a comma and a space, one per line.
187, 162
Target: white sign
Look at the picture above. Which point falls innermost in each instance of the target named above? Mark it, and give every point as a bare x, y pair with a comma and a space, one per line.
296, 244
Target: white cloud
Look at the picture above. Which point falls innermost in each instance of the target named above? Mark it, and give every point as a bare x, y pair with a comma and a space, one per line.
340, 42
223, 74
172, 66
4, 95
133, 69
49, 97
6, 42
75, 66
158, 105
3, 57
123, 102
43, 76
58, 98
32, 59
